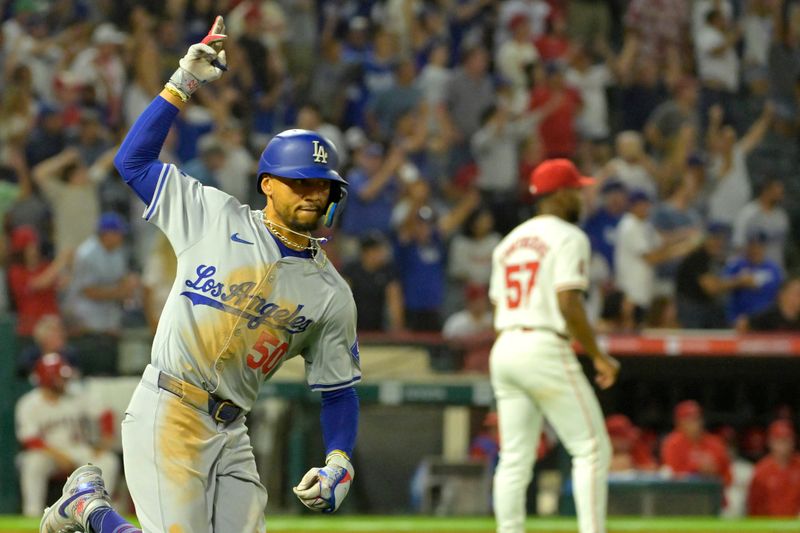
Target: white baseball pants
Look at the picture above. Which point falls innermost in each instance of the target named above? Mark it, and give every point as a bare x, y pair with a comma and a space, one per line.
187, 473
536, 374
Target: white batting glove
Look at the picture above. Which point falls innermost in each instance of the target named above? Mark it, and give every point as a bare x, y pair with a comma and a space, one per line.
324, 489
204, 62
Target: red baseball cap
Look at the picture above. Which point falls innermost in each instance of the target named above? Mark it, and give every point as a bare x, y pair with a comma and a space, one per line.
620, 426
687, 409
781, 429
554, 174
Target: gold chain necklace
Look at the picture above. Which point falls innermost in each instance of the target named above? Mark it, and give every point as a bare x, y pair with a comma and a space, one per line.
273, 228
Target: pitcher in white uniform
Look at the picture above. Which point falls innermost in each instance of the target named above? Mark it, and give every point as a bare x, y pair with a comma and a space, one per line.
253, 289
539, 275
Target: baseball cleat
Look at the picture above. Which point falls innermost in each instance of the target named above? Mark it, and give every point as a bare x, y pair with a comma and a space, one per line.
84, 492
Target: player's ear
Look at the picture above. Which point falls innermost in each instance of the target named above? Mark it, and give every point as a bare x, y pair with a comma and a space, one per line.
265, 184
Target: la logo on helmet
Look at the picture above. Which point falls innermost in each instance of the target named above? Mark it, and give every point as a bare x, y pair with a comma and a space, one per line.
320, 155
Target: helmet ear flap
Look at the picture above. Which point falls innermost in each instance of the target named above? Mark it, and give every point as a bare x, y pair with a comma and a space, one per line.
335, 204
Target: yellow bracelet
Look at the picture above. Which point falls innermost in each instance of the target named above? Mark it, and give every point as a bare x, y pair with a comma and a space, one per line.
337, 452
176, 93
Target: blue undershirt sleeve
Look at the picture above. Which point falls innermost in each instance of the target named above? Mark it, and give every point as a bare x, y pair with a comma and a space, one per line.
137, 158
339, 419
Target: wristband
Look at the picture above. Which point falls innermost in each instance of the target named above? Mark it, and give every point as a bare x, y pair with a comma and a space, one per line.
184, 83
171, 89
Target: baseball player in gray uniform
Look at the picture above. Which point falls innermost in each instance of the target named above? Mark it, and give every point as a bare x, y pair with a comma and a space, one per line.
253, 289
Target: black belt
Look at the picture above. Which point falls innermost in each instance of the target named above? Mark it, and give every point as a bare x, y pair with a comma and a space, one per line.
222, 411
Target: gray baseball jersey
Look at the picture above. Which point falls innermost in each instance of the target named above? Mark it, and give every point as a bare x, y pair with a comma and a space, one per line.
238, 309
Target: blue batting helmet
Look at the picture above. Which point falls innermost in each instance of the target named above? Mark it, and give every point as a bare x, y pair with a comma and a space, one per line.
304, 154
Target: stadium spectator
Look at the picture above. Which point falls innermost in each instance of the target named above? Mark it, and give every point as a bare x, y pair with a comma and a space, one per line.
631, 165
629, 453
386, 106
373, 190
717, 62
330, 82
730, 180
690, 450
658, 28
783, 315
208, 166
235, 175
49, 335
91, 138
559, 105
469, 93
675, 219
601, 226
434, 77
642, 90
699, 284
766, 277
17, 108
47, 138
555, 44
495, 148
666, 121
765, 214
94, 299
515, 60
475, 319
535, 13
420, 254
758, 33
775, 487
375, 285
639, 249
102, 66
33, 280
71, 188
51, 428
592, 78
470, 254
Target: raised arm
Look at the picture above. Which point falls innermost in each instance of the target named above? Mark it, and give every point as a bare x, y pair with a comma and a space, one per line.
137, 159
758, 130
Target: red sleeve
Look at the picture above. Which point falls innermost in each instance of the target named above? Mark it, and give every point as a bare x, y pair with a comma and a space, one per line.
18, 281
35, 443
756, 496
538, 97
107, 428
642, 457
673, 455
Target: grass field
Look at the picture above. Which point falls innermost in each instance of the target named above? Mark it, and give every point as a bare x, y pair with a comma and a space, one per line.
390, 524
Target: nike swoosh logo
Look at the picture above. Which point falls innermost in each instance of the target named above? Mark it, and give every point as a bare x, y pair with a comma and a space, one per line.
71, 499
235, 238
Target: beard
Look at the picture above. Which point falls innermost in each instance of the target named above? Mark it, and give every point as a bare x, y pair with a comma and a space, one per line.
295, 223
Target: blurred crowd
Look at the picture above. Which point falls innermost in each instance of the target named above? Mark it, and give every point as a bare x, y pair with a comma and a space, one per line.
757, 468
686, 112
